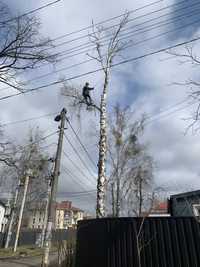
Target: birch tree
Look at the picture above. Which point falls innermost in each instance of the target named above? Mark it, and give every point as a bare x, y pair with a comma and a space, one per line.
104, 54
131, 168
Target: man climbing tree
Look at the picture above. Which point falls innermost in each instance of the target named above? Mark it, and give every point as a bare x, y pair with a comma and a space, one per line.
86, 93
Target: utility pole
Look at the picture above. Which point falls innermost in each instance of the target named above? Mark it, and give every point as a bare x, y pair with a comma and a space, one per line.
27, 177
12, 215
51, 211
46, 213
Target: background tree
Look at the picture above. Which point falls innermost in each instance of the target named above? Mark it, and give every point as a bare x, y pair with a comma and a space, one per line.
131, 168
104, 54
21, 46
30, 155
190, 55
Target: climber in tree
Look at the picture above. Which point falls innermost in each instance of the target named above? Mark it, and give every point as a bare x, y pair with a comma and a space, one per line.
86, 93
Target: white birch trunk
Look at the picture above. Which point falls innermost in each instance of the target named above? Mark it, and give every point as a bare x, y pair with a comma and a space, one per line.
101, 182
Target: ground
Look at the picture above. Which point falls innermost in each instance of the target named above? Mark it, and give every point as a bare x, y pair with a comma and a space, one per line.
33, 257
25, 262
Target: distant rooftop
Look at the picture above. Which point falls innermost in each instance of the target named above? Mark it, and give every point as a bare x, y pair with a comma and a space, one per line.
186, 194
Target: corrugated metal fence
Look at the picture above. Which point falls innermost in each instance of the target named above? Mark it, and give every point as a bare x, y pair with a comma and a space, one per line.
31, 237
134, 242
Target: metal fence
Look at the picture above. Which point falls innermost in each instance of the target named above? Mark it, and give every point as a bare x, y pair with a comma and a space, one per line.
137, 242
31, 237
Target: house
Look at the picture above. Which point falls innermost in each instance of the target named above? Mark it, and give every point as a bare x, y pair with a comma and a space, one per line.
159, 209
185, 204
67, 216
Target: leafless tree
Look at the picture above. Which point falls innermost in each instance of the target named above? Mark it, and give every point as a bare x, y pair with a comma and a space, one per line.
33, 157
130, 166
104, 54
190, 55
21, 46
141, 243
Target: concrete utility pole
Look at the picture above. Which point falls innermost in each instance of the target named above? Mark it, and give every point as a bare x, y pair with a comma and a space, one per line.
12, 215
46, 214
51, 211
27, 177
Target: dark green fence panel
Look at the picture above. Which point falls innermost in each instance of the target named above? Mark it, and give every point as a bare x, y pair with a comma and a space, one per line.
137, 242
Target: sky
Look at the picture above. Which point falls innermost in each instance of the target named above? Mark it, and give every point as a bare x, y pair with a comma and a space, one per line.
147, 85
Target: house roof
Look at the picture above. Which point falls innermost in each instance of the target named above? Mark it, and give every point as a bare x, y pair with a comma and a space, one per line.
186, 194
76, 209
64, 205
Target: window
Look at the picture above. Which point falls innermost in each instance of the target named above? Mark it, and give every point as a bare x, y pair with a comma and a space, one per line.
196, 210
33, 220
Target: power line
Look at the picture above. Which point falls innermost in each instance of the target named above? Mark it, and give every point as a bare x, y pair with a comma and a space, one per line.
136, 31
35, 142
108, 20
76, 166
139, 42
124, 38
100, 69
27, 120
78, 193
156, 117
73, 176
31, 11
121, 15
134, 26
68, 172
78, 155
45, 115
169, 6
80, 142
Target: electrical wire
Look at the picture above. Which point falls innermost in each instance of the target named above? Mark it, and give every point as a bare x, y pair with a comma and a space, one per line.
27, 120
30, 12
108, 20
81, 143
154, 117
78, 155
119, 16
36, 142
69, 173
78, 193
100, 69
178, 18
76, 166
171, 20
132, 44
124, 38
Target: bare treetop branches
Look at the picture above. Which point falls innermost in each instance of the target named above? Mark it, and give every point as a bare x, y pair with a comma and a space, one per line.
21, 46
190, 55
106, 53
